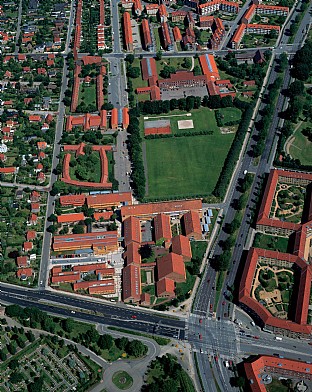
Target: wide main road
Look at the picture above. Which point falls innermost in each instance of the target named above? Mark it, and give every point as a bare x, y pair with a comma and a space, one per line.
122, 316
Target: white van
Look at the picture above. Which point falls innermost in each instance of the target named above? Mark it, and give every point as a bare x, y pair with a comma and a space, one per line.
278, 338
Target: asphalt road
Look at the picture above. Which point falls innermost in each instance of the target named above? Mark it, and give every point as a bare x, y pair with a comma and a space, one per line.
118, 315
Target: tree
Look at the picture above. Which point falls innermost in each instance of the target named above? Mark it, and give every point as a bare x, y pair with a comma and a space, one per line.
16, 377
187, 62
121, 343
52, 229
146, 251
196, 70
13, 364
78, 229
158, 55
68, 325
52, 218
136, 348
129, 58
295, 88
133, 72
105, 342
36, 385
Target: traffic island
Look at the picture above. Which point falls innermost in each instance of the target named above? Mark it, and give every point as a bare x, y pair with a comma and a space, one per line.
122, 380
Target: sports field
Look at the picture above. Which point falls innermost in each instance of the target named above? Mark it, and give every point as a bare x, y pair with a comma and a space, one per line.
186, 165
203, 120
300, 146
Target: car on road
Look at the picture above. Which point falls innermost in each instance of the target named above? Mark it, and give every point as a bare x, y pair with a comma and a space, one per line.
310, 343
73, 312
134, 317
211, 307
223, 303
200, 321
200, 336
256, 337
201, 351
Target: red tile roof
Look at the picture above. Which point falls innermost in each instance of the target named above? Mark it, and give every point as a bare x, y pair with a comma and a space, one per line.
166, 207
191, 223
28, 272
72, 200
22, 261
132, 254
181, 246
132, 230
302, 299
267, 364
67, 218
177, 34
107, 240
27, 246
106, 215
209, 67
171, 266
162, 227
91, 267
127, 29
109, 200
131, 283
165, 287
31, 235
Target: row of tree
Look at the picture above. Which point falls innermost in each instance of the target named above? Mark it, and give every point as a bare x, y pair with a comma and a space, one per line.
35, 318
232, 157
222, 262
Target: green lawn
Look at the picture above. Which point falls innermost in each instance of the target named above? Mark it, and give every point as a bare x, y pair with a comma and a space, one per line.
122, 380
230, 114
301, 148
203, 120
198, 249
188, 285
87, 94
91, 173
276, 386
185, 166
271, 242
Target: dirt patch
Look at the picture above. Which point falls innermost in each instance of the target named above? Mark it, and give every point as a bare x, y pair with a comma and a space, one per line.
185, 124
226, 130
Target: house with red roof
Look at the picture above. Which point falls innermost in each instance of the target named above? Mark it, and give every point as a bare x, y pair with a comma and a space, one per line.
42, 145
132, 253
132, 230
22, 261
33, 219
31, 235
165, 288
35, 196
162, 229
181, 246
70, 218
131, 283
171, 266
24, 273
41, 177
27, 246
35, 207
34, 118
191, 225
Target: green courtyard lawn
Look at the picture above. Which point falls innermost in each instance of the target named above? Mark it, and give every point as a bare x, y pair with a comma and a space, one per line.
138, 82
87, 94
87, 168
185, 166
269, 242
301, 147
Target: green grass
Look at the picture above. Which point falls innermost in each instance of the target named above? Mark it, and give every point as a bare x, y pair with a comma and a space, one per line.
269, 242
203, 120
122, 380
285, 296
149, 289
301, 147
87, 94
158, 339
276, 386
157, 39
188, 165
230, 114
94, 170
198, 249
188, 285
